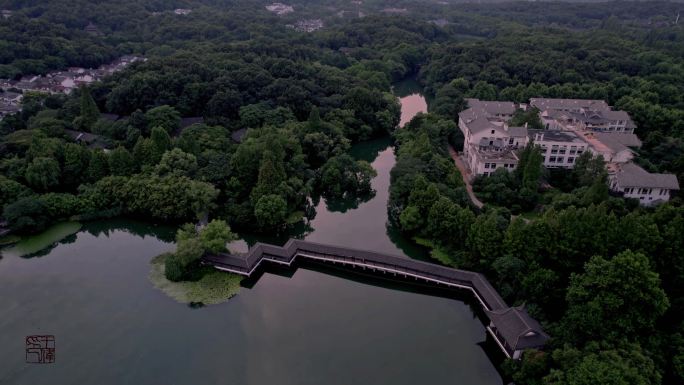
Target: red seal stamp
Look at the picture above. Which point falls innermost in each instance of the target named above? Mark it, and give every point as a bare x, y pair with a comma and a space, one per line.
40, 349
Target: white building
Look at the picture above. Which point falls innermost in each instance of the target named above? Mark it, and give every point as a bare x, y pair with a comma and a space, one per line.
573, 126
580, 114
490, 143
614, 147
635, 182
559, 148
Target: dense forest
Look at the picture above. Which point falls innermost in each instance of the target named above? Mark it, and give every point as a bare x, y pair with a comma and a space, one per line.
280, 108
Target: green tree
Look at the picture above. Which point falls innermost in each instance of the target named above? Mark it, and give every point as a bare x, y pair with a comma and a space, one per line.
42, 173
484, 241
177, 162
271, 175
270, 211
11, 190
588, 168
165, 117
215, 235
145, 152
26, 215
615, 299
76, 160
98, 167
342, 174
180, 264
411, 220
121, 162
59, 206
623, 366
442, 220
529, 117
161, 141
89, 111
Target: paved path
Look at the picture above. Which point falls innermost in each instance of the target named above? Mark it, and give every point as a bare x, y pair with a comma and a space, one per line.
466, 177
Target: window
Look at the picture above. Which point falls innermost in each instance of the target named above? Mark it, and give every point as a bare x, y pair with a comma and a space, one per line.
571, 159
554, 149
493, 132
552, 159
493, 166
487, 165
560, 159
510, 141
573, 150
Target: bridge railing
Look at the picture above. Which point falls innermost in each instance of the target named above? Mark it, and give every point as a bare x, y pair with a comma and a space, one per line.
245, 263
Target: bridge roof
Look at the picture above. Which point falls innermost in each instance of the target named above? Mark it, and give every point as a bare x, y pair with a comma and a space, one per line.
517, 327
513, 324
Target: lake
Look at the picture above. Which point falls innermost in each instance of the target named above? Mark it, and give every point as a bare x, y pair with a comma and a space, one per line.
312, 325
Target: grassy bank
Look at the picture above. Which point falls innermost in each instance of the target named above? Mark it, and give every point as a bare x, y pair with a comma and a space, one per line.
436, 252
32, 244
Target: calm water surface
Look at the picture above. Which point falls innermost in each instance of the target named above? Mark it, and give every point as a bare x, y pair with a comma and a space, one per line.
304, 326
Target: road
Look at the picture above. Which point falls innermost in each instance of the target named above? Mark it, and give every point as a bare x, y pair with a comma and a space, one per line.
465, 174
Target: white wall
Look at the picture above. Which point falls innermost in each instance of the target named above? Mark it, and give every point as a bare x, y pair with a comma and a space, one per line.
646, 196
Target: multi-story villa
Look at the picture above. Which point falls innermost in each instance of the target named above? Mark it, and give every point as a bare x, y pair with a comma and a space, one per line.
559, 148
578, 114
649, 188
613, 147
573, 126
490, 143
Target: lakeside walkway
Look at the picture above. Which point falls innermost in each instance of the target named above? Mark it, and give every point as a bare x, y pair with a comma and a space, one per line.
512, 328
465, 174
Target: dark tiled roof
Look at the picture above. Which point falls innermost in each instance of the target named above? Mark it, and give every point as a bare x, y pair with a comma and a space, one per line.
110, 117
238, 135
556, 136
518, 329
626, 139
92, 140
187, 122
631, 175
568, 104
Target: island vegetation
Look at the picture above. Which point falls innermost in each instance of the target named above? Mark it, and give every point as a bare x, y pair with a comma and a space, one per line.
181, 275
279, 110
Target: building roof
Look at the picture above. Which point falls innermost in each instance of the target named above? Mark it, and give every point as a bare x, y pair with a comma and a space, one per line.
517, 131
494, 153
619, 115
568, 104
611, 141
631, 175
518, 329
481, 124
110, 117
187, 122
238, 135
628, 140
492, 107
555, 136
92, 140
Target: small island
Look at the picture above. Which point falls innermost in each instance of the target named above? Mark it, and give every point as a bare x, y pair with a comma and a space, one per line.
181, 275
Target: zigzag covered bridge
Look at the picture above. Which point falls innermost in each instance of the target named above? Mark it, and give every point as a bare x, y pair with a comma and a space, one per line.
512, 328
